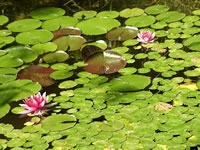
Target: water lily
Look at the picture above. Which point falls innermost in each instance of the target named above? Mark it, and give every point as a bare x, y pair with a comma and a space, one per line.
36, 104
146, 37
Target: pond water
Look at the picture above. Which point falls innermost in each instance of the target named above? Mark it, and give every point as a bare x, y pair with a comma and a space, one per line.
116, 77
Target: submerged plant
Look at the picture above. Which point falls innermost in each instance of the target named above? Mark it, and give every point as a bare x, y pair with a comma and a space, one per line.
146, 37
35, 104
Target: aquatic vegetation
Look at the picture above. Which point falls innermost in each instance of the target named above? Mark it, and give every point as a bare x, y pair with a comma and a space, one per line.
35, 104
146, 37
110, 91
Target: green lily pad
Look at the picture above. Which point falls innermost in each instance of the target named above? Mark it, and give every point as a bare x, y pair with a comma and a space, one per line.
58, 56
45, 47
159, 25
85, 14
24, 25
58, 122
17, 90
61, 74
71, 42
175, 24
34, 37
97, 26
156, 9
10, 61
67, 84
193, 43
122, 33
6, 40
127, 71
5, 32
130, 42
63, 21
192, 30
7, 74
140, 21
109, 14
131, 12
143, 70
3, 19
196, 12
170, 16
47, 13
130, 83
112, 126
191, 19
4, 110
22, 52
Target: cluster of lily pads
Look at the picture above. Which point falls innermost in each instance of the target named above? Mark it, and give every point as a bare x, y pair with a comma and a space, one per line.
113, 88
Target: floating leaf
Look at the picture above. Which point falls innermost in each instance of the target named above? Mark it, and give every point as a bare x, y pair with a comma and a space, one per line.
7, 74
104, 62
109, 14
191, 18
44, 48
47, 13
58, 56
66, 31
140, 21
24, 25
5, 32
58, 122
85, 14
122, 33
71, 42
193, 43
131, 12
17, 90
4, 110
37, 74
6, 40
97, 26
34, 37
3, 19
67, 84
61, 74
10, 61
196, 12
170, 16
156, 9
130, 83
112, 126
22, 52
63, 21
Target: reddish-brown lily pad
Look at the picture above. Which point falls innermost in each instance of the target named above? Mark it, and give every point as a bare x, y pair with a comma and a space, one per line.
89, 50
37, 74
122, 33
66, 31
104, 62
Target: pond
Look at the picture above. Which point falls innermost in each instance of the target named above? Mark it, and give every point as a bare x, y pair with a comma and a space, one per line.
105, 79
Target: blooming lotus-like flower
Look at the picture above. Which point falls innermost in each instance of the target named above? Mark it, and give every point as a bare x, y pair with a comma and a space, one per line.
35, 104
146, 37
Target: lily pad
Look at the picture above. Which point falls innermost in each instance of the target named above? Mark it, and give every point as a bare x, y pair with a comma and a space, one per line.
44, 48
130, 83
22, 52
61, 74
85, 14
71, 42
104, 62
47, 13
58, 56
111, 126
3, 19
10, 61
170, 16
140, 21
63, 21
6, 40
67, 84
131, 12
4, 110
58, 122
66, 31
196, 12
109, 14
24, 25
7, 74
5, 32
156, 9
191, 19
17, 90
122, 33
34, 37
97, 26
37, 74
193, 43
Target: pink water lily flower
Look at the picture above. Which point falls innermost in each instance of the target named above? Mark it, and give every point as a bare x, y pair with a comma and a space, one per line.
35, 104
146, 37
